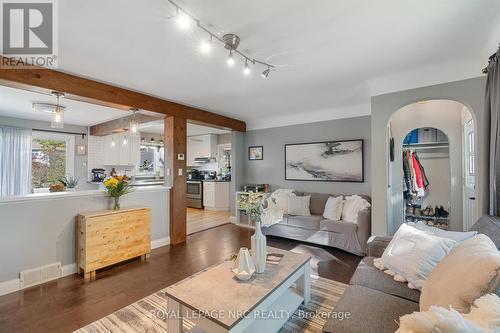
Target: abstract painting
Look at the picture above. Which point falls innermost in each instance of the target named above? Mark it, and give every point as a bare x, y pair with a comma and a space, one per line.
330, 161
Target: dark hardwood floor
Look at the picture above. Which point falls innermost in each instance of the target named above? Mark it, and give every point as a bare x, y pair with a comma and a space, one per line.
70, 303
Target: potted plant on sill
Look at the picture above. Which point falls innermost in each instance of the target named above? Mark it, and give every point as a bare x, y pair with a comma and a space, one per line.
253, 204
116, 187
70, 182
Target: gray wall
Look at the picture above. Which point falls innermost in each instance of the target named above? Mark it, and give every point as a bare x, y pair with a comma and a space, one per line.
469, 92
42, 231
80, 161
271, 170
446, 116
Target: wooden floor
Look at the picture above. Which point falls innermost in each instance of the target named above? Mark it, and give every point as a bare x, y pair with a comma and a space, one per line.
70, 303
201, 219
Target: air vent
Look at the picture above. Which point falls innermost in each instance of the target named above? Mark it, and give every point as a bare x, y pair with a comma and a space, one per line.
32, 277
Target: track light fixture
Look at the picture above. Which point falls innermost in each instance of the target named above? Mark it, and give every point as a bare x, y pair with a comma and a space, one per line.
230, 41
265, 73
246, 69
230, 59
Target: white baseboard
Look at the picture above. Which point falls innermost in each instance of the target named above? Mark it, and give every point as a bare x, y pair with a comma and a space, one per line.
232, 219
11, 286
160, 242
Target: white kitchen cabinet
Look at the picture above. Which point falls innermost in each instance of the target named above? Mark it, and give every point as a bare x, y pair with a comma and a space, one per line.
120, 149
216, 195
201, 146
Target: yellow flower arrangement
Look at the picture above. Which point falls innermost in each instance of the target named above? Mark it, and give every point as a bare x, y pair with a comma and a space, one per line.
116, 187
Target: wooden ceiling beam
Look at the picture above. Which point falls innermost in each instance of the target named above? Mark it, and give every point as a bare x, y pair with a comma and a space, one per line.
39, 79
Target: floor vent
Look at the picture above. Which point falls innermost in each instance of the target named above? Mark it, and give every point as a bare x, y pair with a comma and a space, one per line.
31, 277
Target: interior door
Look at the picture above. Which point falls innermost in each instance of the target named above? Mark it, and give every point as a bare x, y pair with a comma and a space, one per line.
469, 175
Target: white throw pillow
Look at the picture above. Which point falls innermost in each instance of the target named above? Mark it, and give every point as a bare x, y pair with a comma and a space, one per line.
333, 208
281, 198
299, 205
455, 235
413, 253
484, 317
352, 206
471, 270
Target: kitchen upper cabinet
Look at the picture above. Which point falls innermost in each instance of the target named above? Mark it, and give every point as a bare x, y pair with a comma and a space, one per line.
121, 149
201, 146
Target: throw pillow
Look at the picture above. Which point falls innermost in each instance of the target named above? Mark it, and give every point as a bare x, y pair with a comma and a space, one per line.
333, 208
471, 270
413, 254
299, 205
352, 206
455, 235
484, 317
281, 198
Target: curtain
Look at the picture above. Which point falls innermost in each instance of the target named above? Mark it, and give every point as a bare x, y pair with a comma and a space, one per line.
493, 109
15, 161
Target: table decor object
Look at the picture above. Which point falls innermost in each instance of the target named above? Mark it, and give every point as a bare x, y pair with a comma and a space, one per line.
116, 187
245, 267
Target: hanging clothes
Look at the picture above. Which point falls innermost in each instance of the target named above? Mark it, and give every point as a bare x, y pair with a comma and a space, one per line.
415, 179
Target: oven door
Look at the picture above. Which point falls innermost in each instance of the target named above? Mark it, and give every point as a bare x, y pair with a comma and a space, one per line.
194, 190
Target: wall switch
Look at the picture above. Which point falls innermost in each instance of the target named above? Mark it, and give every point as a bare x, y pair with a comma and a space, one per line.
180, 172
180, 157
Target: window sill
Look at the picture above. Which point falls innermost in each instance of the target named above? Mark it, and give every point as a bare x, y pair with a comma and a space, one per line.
63, 195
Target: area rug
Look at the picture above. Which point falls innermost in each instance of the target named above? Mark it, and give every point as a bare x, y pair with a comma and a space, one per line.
140, 316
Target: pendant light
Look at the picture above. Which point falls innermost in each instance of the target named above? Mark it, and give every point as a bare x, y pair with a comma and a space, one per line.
58, 113
134, 124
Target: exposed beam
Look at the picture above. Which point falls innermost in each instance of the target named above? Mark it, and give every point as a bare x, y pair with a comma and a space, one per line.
175, 134
121, 124
87, 90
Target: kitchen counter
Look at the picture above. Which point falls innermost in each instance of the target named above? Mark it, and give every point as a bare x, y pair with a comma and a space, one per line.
216, 181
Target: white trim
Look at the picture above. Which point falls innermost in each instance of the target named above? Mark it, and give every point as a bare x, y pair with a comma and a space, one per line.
232, 219
14, 285
160, 242
64, 195
10, 286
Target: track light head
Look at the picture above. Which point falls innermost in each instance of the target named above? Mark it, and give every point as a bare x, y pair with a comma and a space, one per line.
205, 47
230, 59
184, 22
246, 69
265, 73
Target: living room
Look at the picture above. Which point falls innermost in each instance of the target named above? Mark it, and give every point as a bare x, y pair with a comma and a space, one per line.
356, 143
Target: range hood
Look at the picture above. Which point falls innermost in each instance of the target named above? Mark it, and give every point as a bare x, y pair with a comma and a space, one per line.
202, 160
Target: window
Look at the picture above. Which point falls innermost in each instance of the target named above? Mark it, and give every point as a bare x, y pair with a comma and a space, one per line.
151, 160
52, 158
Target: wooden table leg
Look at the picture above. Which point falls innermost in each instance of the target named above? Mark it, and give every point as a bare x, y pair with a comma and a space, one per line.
174, 320
87, 275
304, 283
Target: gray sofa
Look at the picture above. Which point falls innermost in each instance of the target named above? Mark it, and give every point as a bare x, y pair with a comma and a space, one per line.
348, 236
375, 301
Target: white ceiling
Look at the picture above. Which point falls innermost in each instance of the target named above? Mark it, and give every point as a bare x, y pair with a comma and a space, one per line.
18, 103
332, 55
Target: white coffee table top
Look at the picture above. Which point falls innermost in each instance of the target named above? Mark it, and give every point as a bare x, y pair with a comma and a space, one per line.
216, 293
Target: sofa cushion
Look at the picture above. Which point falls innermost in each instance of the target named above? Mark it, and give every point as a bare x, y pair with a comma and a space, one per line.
341, 227
368, 275
306, 222
370, 311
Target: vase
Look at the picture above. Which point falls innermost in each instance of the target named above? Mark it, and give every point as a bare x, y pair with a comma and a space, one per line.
259, 249
116, 205
244, 265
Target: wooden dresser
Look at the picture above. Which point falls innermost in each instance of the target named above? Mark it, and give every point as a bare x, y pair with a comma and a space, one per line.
108, 237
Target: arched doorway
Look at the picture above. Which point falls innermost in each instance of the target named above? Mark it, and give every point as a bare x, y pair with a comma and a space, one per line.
446, 157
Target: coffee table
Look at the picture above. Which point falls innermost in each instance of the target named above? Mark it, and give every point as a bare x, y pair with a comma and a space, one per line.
215, 301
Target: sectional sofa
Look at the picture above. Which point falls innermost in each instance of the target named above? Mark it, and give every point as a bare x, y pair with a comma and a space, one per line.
348, 236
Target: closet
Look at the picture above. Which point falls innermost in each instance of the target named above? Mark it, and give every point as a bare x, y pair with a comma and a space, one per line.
426, 177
